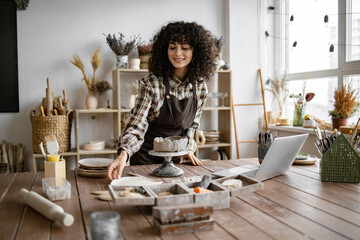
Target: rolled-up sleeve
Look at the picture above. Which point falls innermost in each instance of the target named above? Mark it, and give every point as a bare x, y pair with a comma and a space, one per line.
133, 135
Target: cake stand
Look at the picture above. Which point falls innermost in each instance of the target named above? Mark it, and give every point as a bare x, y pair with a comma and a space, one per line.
168, 169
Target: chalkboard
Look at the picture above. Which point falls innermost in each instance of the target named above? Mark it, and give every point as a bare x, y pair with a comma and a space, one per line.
9, 87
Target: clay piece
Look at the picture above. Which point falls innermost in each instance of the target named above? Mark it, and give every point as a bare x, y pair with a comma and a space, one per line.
233, 183
170, 144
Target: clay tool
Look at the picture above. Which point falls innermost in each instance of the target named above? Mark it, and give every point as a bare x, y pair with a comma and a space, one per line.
42, 150
61, 108
49, 101
55, 112
205, 181
42, 111
44, 103
66, 101
46, 207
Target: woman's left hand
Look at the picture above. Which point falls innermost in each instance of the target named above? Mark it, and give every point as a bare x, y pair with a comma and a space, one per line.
194, 160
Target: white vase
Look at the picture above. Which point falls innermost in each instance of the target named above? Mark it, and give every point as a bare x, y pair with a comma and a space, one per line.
132, 101
122, 61
91, 100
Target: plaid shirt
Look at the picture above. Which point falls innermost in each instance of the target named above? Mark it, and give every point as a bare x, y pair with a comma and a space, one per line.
147, 109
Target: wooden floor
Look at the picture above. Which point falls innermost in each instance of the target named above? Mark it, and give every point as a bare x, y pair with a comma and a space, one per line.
296, 205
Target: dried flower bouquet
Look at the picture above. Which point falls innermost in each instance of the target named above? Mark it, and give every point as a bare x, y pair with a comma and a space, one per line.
119, 46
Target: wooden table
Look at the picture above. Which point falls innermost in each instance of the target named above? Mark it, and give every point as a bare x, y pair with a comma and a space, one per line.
296, 205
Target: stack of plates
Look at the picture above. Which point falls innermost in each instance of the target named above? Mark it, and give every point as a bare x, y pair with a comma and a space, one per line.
93, 167
304, 159
212, 136
95, 145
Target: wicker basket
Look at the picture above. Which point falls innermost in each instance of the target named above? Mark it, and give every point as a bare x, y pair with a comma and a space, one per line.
340, 163
60, 126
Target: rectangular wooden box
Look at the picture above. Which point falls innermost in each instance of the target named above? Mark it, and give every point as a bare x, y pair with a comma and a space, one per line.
218, 199
55, 170
114, 191
249, 185
181, 195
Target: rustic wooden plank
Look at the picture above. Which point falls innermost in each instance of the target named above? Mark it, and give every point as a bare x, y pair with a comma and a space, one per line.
238, 227
326, 191
134, 224
329, 221
34, 225
288, 217
316, 175
71, 206
324, 205
11, 205
5, 183
271, 226
89, 202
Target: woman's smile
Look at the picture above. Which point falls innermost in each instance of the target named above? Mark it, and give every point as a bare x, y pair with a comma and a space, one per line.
180, 55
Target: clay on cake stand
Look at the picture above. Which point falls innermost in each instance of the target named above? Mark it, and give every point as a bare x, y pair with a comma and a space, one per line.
168, 169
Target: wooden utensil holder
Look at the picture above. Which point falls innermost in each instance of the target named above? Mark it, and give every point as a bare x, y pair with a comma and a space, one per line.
55, 170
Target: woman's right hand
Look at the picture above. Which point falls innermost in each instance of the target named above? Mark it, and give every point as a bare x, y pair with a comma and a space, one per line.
115, 168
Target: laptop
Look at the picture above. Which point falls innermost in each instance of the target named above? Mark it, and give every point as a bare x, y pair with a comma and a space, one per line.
277, 161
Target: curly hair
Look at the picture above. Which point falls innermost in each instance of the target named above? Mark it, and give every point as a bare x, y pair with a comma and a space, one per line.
202, 65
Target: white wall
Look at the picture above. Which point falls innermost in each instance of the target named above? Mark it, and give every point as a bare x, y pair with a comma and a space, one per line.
50, 32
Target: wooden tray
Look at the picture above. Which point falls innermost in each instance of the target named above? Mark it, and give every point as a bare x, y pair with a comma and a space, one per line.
218, 199
181, 195
249, 185
148, 200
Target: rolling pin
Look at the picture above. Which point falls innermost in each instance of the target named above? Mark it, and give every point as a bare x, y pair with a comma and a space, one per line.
61, 108
46, 207
66, 102
49, 99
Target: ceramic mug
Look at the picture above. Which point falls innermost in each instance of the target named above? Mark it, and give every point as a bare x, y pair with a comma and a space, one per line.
135, 63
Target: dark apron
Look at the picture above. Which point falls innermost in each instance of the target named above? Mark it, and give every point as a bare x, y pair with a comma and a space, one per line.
174, 118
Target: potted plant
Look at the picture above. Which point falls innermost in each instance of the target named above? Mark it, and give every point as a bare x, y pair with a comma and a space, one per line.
94, 88
345, 106
122, 48
144, 51
279, 90
300, 106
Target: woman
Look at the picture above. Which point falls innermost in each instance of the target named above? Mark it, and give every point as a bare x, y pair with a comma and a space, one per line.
171, 97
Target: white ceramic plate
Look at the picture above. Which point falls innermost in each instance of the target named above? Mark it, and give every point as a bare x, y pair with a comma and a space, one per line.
95, 162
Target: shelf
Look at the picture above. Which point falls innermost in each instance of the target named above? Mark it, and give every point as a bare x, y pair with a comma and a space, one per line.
72, 152
216, 108
125, 110
99, 110
214, 145
147, 70
95, 152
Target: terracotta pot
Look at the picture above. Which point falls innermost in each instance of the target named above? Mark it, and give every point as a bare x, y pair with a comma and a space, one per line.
338, 122
91, 101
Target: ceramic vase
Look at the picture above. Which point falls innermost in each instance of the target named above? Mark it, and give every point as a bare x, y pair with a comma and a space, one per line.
91, 100
299, 114
338, 122
122, 62
132, 101
144, 61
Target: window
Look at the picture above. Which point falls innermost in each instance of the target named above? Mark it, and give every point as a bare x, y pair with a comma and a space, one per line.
311, 60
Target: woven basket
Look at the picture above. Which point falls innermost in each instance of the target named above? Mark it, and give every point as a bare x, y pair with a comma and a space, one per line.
60, 126
340, 163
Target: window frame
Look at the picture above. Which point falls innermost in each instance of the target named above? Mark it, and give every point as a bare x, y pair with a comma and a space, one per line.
344, 67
